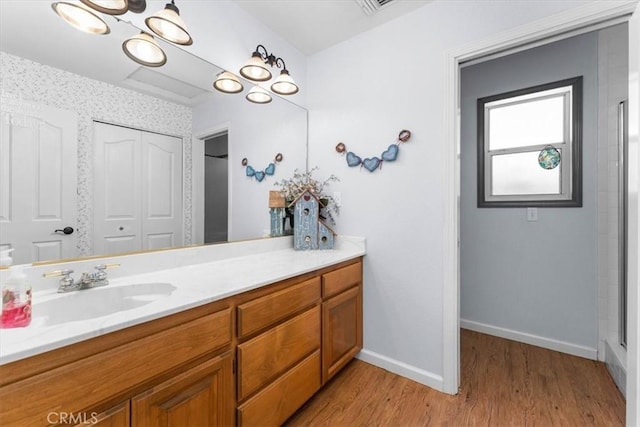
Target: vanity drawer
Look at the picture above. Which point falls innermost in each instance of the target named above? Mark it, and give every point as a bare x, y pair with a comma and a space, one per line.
273, 405
337, 281
269, 309
80, 384
268, 355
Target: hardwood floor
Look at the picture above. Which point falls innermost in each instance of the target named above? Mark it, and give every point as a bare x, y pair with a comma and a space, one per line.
504, 383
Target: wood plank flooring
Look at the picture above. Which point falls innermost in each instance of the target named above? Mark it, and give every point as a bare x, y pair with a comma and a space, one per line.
504, 383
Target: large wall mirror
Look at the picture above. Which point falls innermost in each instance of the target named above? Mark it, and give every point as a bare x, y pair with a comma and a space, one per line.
129, 157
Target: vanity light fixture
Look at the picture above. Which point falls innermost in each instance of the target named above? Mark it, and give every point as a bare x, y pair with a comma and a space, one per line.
258, 95
284, 84
169, 25
143, 49
81, 17
110, 7
256, 69
228, 83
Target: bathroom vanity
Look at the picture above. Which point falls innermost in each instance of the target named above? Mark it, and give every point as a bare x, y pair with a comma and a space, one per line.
247, 358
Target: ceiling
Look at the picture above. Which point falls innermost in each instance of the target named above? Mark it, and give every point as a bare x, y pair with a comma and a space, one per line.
314, 25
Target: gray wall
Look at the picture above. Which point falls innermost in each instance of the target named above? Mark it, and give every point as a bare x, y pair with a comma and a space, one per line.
537, 278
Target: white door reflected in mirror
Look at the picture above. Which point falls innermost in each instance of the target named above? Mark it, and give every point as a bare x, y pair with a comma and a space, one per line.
38, 183
137, 190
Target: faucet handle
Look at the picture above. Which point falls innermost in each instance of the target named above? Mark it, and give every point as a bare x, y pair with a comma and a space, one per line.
103, 267
57, 273
66, 283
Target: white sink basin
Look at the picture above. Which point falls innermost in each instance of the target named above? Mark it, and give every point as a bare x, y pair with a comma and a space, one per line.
97, 302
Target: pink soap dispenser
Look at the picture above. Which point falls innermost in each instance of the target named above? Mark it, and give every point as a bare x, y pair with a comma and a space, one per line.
16, 296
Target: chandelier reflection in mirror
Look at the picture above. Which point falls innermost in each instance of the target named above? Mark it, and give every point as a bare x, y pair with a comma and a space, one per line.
141, 48
257, 69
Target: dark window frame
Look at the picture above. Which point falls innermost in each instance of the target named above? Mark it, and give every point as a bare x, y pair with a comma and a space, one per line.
576, 145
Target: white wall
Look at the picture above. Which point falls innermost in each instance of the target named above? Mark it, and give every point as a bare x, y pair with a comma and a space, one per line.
391, 78
531, 281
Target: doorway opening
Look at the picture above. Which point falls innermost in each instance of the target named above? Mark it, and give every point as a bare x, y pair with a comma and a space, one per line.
216, 187
503, 293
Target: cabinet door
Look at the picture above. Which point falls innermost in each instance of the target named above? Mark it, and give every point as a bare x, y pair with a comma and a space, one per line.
201, 396
341, 330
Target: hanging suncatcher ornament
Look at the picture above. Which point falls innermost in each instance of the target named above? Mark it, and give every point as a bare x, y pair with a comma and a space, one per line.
373, 163
549, 157
259, 175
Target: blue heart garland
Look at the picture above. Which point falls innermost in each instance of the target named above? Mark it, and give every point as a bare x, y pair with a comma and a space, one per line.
271, 169
353, 160
260, 175
391, 153
373, 163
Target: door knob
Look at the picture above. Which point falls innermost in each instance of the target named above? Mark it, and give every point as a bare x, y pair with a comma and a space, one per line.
66, 230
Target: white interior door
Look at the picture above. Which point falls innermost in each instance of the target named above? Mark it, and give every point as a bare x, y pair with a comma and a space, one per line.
38, 187
116, 198
138, 190
162, 191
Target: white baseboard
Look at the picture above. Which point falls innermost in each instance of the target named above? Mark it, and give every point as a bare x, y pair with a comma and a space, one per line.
616, 365
400, 368
549, 343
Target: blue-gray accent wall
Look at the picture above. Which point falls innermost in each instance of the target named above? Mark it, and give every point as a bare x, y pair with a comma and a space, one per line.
537, 278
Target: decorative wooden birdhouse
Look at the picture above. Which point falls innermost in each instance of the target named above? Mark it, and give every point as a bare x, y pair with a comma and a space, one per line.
309, 232
306, 215
325, 236
277, 213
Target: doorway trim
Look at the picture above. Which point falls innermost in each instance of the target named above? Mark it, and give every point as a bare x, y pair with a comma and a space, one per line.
570, 22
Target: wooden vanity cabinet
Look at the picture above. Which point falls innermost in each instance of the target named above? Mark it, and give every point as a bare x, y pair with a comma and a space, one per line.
93, 377
278, 353
251, 359
341, 318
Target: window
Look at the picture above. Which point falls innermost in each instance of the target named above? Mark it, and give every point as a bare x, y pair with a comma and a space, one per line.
515, 131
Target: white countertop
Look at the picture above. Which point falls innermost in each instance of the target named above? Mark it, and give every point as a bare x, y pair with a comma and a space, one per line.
195, 285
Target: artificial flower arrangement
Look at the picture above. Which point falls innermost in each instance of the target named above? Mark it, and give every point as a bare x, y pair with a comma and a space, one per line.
301, 181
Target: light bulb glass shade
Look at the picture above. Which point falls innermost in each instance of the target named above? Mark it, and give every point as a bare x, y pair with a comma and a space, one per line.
228, 83
80, 17
169, 25
255, 69
110, 7
257, 95
143, 49
284, 84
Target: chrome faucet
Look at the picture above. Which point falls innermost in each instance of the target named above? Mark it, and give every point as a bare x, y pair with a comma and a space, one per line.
86, 281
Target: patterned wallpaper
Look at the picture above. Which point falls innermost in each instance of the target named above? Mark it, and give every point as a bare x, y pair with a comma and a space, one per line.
91, 99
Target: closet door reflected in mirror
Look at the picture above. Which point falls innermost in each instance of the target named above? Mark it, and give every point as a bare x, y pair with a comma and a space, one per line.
137, 190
